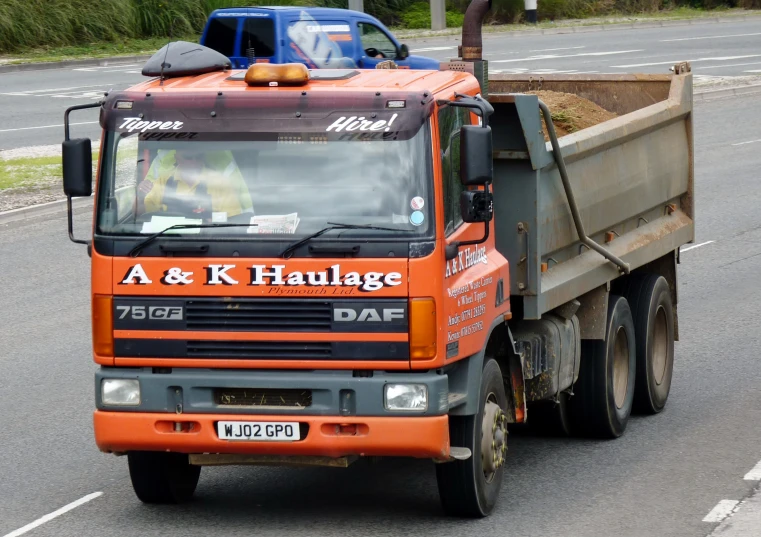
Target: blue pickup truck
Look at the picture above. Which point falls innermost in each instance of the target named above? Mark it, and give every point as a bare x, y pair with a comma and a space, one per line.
320, 38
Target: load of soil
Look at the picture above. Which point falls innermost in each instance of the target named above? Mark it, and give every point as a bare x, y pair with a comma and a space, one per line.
571, 113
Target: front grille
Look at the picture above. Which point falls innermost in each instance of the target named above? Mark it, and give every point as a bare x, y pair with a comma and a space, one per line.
262, 397
259, 349
258, 315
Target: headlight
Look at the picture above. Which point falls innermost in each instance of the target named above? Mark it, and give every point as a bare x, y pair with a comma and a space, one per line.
121, 392
406, 397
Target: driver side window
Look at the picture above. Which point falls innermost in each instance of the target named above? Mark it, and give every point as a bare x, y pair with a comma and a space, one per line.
450, 121
373, 37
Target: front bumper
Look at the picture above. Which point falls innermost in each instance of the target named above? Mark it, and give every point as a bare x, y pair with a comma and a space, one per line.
186, 396
425, 437
334, 393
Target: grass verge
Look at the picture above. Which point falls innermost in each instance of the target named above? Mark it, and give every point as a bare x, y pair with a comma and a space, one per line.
125, 47
31, 172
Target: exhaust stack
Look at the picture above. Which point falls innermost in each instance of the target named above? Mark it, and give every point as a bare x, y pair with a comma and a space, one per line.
472, 44
470, 51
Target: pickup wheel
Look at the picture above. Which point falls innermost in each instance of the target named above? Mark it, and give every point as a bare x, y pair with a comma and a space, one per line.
650, 298
604, 392
159, 477
470, 488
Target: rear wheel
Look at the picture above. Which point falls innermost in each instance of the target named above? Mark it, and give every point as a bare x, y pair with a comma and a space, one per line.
470, 488
605, 390
649, 296
159, 477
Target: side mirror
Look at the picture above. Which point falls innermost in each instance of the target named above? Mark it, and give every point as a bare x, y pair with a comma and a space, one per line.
476, 166
404, 52
77, 167
476, 206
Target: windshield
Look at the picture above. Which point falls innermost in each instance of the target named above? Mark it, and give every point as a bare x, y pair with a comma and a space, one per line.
275, 185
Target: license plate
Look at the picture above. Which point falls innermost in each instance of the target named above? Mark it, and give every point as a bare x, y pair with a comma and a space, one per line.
272, 431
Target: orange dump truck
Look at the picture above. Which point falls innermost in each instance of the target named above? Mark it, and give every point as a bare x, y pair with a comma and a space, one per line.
307, 267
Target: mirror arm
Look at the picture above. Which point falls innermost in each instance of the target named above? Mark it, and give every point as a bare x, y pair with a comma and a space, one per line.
71, 109
479, 103
451, 250
71, 225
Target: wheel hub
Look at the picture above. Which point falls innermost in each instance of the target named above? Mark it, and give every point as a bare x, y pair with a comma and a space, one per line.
493, 439
620, 367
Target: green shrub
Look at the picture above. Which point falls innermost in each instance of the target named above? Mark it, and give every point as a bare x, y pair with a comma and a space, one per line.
50, 23
505, 11
162, 17
210, 5
418, 15
387, 11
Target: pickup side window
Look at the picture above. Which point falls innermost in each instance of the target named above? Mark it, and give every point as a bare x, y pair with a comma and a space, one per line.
375, 41
450, 121
258, 34
320, 44
220, 35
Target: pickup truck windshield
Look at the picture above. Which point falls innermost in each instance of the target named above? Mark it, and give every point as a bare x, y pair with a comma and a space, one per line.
284, 184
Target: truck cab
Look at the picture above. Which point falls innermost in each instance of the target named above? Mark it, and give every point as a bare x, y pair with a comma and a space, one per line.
316, 37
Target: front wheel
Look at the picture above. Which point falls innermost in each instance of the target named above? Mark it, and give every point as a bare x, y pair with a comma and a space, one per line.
470, 488
159, 477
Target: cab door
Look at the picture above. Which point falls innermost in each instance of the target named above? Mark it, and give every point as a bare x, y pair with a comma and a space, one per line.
475, 278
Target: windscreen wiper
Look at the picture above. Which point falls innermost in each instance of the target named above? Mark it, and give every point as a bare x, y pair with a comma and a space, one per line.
142, 244
335, 225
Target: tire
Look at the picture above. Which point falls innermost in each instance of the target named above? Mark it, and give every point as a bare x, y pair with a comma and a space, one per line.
465, 489
159, 477
547, 418
649, 296
604, 392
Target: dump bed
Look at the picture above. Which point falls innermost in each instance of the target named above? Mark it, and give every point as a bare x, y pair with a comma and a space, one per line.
631, 177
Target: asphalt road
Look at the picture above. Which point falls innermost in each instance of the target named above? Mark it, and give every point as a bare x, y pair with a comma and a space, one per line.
32, 103
662, 478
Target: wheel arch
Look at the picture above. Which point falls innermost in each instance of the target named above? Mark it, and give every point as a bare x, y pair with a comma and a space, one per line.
465, 377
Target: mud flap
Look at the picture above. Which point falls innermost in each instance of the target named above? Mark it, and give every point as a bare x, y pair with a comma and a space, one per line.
465, 379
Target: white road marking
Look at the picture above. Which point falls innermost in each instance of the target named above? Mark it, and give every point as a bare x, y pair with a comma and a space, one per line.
432, 49
717, 59
558, 56
755, 473
727, 65
707, 37
746, 143
554, 49
74, 92
102, 68
56, 90
745, 520
48, 126
753, 71
694, 246
557, 72
78, 95
54, 514
129, 71
721, 511
520, 71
